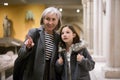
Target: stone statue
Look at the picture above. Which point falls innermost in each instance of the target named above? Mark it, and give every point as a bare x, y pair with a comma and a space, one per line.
6, 27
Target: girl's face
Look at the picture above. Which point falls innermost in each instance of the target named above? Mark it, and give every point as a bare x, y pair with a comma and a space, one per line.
67, 35
50, 22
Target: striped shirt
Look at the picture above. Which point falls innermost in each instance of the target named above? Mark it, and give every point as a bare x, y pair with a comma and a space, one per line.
48, 46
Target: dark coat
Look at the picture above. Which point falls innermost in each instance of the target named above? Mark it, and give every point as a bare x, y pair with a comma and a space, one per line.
33, 61
79, 70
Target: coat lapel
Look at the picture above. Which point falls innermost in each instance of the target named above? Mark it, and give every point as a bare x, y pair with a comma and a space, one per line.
42, 36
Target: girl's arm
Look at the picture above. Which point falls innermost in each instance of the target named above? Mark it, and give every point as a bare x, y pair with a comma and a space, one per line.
59, 65
86, 60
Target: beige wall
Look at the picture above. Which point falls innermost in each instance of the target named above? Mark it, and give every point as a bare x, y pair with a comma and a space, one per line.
17, 14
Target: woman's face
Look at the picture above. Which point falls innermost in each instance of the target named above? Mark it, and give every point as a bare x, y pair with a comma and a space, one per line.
50, 22
67, 35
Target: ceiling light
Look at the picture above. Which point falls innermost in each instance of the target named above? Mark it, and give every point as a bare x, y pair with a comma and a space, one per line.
60, 9
78, 10
5, 4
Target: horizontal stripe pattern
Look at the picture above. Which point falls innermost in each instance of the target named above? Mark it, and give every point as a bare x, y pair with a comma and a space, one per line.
48, 46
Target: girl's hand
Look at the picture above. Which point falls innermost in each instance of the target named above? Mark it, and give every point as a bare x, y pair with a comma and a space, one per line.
79, 57
29, 42
60, 60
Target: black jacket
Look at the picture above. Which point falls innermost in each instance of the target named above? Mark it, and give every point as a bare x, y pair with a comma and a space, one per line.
30, 64
79, 70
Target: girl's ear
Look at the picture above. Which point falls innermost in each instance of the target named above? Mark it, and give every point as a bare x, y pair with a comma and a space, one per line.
74, 35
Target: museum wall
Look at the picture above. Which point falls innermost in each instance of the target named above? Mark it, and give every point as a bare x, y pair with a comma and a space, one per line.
19, 18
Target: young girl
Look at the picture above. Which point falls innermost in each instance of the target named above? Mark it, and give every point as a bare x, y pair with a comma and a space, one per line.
71, 64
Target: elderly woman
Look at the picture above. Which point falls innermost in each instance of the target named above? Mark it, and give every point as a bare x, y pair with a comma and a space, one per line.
38, 54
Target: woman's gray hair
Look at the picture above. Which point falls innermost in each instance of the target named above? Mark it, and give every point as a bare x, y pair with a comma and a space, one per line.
52, 10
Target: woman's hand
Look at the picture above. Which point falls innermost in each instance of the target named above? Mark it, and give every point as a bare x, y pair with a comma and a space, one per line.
29, 42
79, 57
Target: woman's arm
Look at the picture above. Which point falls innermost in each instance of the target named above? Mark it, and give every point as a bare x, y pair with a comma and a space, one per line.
24, 50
